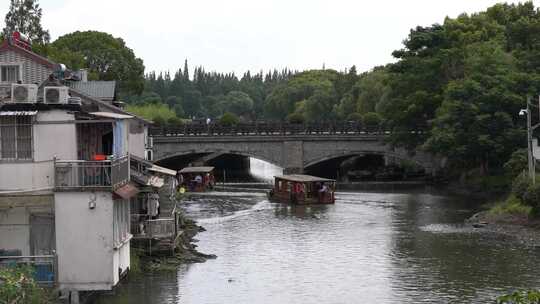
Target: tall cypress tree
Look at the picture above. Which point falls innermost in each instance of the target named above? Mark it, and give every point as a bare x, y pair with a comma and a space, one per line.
186, 71
25, 16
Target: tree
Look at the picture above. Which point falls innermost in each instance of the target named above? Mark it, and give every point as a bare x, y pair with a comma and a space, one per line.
25, 17
238, 103
229, 119
106, 57
474, 126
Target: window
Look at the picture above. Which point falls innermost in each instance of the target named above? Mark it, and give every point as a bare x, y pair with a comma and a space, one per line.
16, 137
10, 73
121, 219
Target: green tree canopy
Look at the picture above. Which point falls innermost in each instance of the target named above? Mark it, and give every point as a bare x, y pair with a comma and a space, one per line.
25, 17
106, 57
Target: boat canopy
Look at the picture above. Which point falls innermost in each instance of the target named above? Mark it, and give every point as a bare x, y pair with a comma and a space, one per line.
197, 170
302, 178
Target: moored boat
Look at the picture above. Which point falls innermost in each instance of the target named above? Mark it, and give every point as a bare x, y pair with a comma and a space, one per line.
303, 189
196, 179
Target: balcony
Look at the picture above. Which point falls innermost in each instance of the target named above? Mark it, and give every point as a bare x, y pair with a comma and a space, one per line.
81, 175
152, 229
43, 266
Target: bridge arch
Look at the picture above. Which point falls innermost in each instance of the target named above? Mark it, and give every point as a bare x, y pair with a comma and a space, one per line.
313, 162
171, 157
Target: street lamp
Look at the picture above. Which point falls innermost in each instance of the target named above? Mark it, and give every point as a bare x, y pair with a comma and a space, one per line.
530, 158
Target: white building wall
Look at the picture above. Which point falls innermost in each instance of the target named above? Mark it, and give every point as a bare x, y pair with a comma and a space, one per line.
136, 144
55, 139
49, 140
121, 261
84, 240
27, 176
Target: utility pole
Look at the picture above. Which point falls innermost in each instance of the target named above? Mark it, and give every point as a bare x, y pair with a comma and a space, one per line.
531, 162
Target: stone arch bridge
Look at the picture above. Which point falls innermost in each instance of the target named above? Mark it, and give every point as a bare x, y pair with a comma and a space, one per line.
291, 147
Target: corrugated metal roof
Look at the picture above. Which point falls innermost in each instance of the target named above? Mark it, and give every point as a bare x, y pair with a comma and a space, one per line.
18, 113
103, 90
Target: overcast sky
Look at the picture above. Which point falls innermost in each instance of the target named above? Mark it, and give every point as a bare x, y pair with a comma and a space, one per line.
240, 35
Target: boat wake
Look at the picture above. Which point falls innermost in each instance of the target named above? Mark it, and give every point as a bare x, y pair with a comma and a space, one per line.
260, 206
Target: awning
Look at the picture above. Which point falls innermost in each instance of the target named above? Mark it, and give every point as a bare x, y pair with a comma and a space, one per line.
111, 115
127, 191
147, 180
18, 113
196, 169
159, 169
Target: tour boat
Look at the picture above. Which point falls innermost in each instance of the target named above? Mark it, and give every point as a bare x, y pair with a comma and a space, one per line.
303, 189
196, 179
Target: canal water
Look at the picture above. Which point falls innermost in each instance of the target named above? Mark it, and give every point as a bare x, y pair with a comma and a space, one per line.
370, 247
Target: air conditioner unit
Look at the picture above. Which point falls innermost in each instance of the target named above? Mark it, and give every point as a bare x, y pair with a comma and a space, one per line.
74, 100
24, 93
55, 95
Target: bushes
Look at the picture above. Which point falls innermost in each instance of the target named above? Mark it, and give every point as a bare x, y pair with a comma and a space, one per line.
175, 121
526, 192
295, 118
532, 197
520, 186
512, 205
520, 297
371, 119
156, 112
18, 286
229, 119
516, 164
356, 117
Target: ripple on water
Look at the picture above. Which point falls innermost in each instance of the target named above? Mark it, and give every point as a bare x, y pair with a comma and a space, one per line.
367, 248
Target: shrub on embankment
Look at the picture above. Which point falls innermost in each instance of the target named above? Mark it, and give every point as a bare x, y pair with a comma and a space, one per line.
520, 297
17, 285
524, 199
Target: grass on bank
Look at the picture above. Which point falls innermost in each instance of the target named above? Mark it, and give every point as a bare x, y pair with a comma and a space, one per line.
512, 206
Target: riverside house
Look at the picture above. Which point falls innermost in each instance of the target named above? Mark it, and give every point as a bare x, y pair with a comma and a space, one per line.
65, 180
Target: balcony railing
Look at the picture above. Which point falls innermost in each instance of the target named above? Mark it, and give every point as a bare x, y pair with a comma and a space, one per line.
158, 228
43, 266
91, 175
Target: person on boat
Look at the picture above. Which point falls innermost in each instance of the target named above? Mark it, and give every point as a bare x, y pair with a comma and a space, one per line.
198, 179
211, 181
322, 192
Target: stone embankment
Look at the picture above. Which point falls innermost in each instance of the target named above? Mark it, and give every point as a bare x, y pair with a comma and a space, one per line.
185, 252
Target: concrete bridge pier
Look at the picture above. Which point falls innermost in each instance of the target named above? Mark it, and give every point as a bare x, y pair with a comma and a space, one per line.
293, 157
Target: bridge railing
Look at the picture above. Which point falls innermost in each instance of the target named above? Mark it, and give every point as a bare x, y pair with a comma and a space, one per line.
269, 129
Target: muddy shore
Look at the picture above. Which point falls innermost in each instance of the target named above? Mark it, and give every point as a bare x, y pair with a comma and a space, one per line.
512, 227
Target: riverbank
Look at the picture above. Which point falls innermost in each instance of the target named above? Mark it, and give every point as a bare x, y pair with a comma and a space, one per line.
516, 224
185, 252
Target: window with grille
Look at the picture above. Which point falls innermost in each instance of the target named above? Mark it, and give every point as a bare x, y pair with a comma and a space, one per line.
16, 137
10, 73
